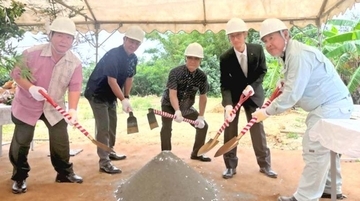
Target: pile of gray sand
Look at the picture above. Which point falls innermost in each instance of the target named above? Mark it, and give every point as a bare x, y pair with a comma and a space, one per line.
166, 178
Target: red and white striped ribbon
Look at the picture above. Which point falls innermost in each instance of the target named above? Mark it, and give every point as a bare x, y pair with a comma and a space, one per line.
252, 121
63, 112
243, 98
171, 116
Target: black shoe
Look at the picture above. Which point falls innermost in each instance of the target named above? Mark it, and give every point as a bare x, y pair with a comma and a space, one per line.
284, 198
338, 196
201, 158
116, 157
19, 187
229, 173
268, 172
110, 169
70, 178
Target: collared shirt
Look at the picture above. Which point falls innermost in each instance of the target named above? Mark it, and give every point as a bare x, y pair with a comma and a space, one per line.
187, 85
310, 80
41, 64
116, 64
240, 56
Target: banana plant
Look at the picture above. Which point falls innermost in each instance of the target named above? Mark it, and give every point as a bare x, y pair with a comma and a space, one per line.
339, 40
273, 74
344, 50
355, 80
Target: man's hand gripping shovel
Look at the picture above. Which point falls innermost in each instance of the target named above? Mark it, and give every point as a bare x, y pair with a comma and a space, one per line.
152, 119
213, 142
77, 125
229, 145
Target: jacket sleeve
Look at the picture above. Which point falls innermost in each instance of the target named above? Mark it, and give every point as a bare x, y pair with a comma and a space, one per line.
224, 83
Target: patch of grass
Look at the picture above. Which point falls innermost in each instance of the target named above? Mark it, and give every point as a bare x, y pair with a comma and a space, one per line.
292, 135
144, 103
300, 120
86, 118
84, 109
7, 132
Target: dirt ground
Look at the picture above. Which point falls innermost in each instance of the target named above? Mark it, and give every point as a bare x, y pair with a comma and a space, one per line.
248, 184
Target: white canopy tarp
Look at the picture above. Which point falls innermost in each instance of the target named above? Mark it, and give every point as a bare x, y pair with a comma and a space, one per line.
180, 15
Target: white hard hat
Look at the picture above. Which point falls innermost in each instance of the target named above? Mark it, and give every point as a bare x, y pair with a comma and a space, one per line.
235, 25
271, 25
63, 25
194, 50
136, 33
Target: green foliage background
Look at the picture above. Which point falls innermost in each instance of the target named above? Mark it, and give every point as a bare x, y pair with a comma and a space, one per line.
170, 53
338, 39
8, 29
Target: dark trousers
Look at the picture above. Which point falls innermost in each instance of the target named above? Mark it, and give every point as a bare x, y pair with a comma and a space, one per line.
165, 133
258, 139
105, 122
20, 145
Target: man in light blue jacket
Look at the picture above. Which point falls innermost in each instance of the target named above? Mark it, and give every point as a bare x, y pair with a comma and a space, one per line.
312, 83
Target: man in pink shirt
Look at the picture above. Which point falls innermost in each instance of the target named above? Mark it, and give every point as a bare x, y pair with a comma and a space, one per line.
54, 69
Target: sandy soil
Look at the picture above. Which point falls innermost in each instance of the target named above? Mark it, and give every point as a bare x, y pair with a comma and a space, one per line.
140, 148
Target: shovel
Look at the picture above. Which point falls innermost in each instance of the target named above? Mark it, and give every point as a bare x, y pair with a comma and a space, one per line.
229, 145
153, 122
132, 126
152, 119
213, 142
77, 125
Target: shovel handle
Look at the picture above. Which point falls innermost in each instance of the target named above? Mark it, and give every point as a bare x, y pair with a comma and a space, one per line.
165, 114
252, 121
243, 98
63, 112
229, 145
77, 125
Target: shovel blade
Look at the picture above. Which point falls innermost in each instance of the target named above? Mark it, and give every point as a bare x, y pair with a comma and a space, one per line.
203, 149
228, 146
213, 144
100, 145
207, 147
132, 126
152, 119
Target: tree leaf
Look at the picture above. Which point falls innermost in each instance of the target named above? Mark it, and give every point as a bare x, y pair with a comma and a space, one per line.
354, 81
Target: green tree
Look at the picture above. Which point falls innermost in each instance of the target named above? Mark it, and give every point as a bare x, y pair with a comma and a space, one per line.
339, 40
254, 37
170, 53
9, 29
343, 48
87, 70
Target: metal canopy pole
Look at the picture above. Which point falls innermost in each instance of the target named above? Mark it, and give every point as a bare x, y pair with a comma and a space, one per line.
97, 28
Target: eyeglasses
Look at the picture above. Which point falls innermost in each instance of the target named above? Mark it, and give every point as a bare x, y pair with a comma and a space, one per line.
238, 35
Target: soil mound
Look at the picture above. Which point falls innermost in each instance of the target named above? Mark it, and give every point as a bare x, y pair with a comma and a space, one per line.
166, 177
